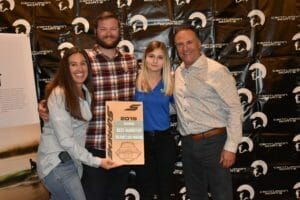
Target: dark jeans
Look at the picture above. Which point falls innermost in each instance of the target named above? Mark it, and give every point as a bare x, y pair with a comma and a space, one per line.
156, 176
202, 170
102, 184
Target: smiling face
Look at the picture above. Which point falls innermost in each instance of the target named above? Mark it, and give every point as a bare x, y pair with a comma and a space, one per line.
188, 46
108, 33
155, 60
78, 68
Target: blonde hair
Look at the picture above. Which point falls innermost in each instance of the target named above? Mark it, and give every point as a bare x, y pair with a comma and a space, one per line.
167, 77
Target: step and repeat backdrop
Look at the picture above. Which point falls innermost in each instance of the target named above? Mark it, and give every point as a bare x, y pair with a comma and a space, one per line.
258, 40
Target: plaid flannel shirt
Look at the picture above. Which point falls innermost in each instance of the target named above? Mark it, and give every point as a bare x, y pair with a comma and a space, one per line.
114, 80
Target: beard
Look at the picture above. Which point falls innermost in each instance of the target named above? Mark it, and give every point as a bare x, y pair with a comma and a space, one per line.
105, 45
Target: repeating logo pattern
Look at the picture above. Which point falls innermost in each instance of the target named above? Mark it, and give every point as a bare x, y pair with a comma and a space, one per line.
126, 46
296, 139
242, 43
132, 194
138, 23
259, 120
257, 18
246, 145
297, 190
63, 47
21, 26
259, 71
260, 168
80, 25
182, 2
198, 20
65, 4
296, 91
6, 5
246, 192
296, 38
124, 3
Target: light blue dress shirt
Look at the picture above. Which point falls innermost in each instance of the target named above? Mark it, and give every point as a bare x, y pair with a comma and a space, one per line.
206, 97
64, 133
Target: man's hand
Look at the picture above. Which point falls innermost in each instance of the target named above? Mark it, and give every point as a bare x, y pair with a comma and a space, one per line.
43, 110
107, 163
227, 158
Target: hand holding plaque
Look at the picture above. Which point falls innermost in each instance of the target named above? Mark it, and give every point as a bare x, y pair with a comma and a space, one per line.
125, 132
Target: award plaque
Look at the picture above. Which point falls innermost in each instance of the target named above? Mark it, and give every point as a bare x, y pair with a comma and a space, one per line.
125, 132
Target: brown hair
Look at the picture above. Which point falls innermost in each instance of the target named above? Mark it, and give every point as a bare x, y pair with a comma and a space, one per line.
105, 15
184, 28
63, 79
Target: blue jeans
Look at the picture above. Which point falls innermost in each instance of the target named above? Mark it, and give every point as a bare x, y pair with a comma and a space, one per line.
63, 182
202, 170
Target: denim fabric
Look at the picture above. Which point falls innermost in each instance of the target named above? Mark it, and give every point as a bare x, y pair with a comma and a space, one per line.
202, 170
63, 182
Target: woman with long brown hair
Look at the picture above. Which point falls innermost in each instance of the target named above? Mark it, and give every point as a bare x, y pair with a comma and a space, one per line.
61, 150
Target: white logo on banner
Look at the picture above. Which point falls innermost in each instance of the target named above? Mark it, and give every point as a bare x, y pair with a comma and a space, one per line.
182, 2
6, 5
22, 26
78, 22
245, 98
122, 3
296, 91
245, 95
259, 71
296, 139
65, 4
246, 145
257, 17
138, 23
296, 38
259, 120
246, 192
126, 46
297, 190
260, 167
239, 1
182, 193
132, 193
195, 17
242, 43
63, 46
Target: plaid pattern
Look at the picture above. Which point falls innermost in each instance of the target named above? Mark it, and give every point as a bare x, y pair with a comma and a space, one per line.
114, 80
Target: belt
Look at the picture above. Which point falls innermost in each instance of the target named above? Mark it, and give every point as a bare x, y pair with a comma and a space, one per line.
209, 133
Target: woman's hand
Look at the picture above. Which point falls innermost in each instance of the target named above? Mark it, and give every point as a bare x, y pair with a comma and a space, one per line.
107, 163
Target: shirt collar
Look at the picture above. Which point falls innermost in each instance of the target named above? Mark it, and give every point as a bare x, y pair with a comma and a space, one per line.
199, 64
98, 50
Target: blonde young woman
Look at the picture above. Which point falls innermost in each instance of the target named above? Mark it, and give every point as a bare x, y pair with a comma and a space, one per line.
154, 88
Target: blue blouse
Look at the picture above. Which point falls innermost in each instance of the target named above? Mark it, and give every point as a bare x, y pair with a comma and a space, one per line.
156, 108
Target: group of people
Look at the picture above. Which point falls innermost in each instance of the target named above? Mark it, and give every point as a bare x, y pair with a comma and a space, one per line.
205, 98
